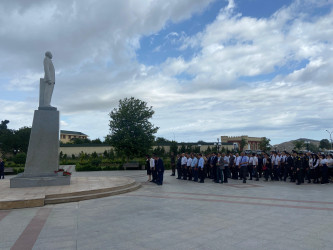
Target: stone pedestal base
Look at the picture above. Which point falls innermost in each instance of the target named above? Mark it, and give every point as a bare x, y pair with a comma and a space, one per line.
43, 153
21, 181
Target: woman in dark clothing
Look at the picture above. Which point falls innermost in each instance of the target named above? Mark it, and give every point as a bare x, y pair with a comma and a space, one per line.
148, 167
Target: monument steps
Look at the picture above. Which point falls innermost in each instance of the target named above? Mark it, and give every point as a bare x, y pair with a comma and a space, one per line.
93, 194
88, 192
81, 188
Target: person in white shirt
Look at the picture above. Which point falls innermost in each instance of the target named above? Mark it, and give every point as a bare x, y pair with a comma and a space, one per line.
153, 169
237, 162
184, 162
188, 166
148, 167
276, 166
194, 167
226, 167
255, 166
250, 166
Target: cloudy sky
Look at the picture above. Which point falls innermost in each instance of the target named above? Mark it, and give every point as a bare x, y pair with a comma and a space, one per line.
208, 67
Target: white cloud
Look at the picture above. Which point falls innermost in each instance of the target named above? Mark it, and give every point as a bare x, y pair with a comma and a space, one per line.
95, 44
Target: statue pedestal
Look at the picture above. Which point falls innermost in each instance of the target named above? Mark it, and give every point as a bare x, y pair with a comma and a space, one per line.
43, 153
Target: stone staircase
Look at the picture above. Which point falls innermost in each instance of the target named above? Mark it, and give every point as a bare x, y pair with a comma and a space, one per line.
90, 194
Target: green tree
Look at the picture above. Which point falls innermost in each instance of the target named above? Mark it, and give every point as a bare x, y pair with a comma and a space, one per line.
159, 151
196, 149
20, 158
96, 141
298, 144
79, 141
13, 140
264, 144
325, 144
182, 149
3, 125
242, 144
174, 147
131, 132
161, 140
313, 148
22, 137
188, 148
208, 150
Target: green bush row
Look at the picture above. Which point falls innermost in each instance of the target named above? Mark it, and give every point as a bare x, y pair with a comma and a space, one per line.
18, 170
88, 167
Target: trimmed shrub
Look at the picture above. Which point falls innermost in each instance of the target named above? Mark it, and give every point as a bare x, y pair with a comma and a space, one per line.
20, 158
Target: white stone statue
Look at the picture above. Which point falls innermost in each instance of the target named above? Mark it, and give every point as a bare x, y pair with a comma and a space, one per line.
47, 84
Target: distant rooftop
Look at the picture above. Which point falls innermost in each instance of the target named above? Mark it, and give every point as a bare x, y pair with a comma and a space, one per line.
67, 132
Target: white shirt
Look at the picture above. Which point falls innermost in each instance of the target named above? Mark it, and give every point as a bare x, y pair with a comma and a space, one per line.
152, 162
184, 160
283, 158
276, 160
251, 161
311, 163
255, 161
189, 161
323, 161
226, 161
238, 159
201, 163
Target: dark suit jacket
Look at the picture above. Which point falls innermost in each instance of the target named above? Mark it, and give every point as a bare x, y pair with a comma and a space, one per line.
160, 165
214, 161
2, 166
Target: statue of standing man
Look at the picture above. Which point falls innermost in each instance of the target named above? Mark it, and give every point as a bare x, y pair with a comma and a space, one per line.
47, 84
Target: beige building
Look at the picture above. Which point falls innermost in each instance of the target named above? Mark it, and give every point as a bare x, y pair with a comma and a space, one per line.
253, 143
66, 136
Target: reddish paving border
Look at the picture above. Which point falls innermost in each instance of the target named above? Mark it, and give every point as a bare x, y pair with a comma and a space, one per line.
242, 185
232, 202
30, 234
253, 198
3, 214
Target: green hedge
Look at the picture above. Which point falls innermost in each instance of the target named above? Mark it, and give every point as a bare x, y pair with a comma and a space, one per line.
11, 164
98, 164
18, 170
88, 167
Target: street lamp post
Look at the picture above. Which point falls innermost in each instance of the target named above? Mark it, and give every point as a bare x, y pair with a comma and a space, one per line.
218, 144
330, 137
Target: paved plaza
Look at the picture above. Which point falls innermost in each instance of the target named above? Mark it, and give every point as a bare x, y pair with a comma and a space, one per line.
180, 215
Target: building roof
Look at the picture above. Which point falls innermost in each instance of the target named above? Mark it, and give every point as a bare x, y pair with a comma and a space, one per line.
67, 132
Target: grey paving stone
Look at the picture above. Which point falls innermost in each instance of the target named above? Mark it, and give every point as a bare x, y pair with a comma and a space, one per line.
187, 215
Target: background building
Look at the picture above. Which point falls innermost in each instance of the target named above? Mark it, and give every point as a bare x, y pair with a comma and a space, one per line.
253, 143
66, 136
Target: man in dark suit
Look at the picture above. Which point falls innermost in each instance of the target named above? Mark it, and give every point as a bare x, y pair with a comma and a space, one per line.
159, 170
179, 166
213, 163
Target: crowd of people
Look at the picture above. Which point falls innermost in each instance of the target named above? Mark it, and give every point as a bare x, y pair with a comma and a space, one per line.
274, 166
